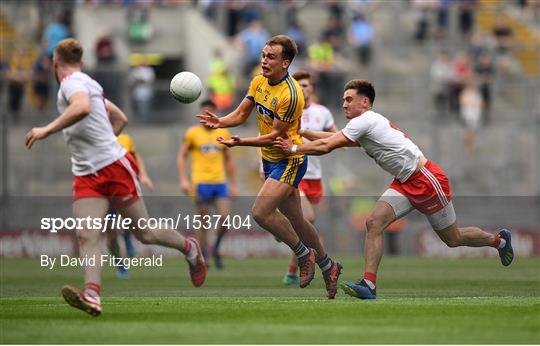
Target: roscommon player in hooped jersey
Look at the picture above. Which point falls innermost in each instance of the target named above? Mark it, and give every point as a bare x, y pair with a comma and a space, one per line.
418, 183
104, 174
278, 102
318, 118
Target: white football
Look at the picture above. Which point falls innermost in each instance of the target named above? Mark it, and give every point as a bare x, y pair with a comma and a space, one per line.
186, 87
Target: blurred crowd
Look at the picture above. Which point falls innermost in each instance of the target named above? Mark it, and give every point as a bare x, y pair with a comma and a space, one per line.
341, 45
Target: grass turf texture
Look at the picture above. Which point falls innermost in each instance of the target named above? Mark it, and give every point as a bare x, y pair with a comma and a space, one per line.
420, 300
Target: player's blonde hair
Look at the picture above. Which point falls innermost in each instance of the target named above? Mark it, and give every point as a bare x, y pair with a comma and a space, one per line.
69, 51
289, 46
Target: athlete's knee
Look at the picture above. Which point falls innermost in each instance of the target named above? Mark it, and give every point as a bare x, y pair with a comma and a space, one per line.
259, 214
145, 237
374, 225
86, 236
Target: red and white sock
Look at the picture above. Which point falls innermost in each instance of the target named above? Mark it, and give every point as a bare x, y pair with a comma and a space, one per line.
190, 251
370, 279
293, 269
91, 293
498, 242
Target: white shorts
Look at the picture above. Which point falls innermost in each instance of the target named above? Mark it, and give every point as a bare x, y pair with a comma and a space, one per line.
402, 206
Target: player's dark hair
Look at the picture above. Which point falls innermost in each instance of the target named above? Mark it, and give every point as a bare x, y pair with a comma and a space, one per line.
362, 87
299, 75
208, 103
69, 51
290, 49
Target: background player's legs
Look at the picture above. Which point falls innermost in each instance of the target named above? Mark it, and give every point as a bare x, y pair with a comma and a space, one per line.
223, 206
114, 248
89, 246
201, 233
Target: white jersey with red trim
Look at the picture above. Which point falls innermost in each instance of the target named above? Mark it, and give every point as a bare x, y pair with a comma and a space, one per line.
316, 118
385, 143
91, 140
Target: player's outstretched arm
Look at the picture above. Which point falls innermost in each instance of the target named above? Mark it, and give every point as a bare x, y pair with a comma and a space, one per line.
144, 178
117, 118
231, 172
79, 107
185, 185
235, 118
279, 129
317, 147
314, 135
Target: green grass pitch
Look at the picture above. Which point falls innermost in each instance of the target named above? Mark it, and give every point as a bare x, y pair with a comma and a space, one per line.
433, 301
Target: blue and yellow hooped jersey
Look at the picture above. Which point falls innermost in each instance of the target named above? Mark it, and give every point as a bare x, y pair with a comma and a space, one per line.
207, 157
283, 101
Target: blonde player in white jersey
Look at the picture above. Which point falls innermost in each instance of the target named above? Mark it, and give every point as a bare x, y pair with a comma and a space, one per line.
104, 174
419, 183
315, 117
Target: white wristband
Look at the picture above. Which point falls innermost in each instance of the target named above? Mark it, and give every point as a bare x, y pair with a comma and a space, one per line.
301, 131
294, 148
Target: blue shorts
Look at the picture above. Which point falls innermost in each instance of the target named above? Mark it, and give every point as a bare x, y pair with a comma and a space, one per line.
288, 171
207, 193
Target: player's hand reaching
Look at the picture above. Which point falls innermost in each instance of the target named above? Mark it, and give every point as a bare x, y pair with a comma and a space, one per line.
233, 190
35, 134
233, 141
146, 181
209, 119
185, 186
283, 144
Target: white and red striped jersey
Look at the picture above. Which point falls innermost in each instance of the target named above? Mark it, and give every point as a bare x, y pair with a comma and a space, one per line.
91, 140
316, 118
385, 143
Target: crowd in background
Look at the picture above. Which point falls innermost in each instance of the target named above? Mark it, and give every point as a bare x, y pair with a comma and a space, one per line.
461, 82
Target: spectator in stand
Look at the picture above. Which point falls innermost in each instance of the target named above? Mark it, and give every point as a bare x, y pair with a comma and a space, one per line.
441, 73
361, 34
322, 60
334, 33
442, 18
470, 102
297, 33
462, 72
251, 41
484, 70
503, 36
477, 47
104, 49
17, 76
142, 78
221, 83
57, 31
41, 74
421, 11
466, 16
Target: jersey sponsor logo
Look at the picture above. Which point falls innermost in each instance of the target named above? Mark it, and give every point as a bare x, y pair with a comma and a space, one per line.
259, 90
210, 148
262, 110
